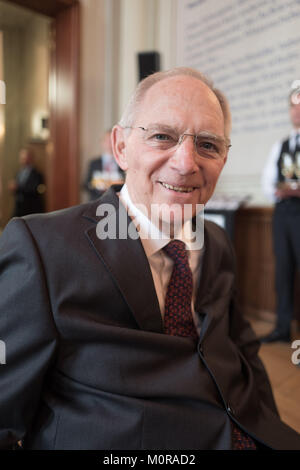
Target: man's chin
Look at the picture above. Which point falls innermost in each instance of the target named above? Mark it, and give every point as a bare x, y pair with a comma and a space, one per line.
174, 216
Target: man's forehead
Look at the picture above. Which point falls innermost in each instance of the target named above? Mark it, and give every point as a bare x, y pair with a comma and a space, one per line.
180, 95
178, 86
181, 92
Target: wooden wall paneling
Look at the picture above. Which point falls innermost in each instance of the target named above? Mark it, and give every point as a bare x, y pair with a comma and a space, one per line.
256, 264
64, 111
255, 261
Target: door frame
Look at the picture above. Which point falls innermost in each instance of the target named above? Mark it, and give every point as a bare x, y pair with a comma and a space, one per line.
63, 183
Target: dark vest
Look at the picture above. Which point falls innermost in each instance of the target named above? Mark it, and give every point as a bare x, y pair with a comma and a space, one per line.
288, 164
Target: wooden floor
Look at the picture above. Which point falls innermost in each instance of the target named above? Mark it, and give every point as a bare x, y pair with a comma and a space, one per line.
283, 374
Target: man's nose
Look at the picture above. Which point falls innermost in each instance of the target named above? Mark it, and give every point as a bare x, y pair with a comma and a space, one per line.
184, 158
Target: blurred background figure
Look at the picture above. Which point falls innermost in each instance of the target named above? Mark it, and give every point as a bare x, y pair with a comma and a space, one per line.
281, 182
28, 186
103, 170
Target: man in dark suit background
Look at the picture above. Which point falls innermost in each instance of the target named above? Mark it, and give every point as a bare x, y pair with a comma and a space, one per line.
103, 170
120, 340
28, 187
281, 184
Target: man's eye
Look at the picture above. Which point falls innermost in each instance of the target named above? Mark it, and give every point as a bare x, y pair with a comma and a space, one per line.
162, 137
208, 146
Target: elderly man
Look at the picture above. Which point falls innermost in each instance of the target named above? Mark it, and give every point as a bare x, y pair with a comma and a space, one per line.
136, 342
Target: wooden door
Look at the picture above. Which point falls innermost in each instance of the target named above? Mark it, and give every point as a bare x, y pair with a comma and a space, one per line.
63, 146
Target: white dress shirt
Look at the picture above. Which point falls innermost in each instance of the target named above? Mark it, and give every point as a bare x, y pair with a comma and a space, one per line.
270, 172
160, 263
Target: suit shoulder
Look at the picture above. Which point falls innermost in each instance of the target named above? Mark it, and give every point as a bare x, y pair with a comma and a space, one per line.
217, 237
215, 231
62, 220
219, 248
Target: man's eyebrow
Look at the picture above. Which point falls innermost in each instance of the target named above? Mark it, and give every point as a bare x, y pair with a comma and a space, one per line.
157, 126
210, 135
161, 126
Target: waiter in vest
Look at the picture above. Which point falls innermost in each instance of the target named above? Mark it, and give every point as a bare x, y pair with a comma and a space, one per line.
281, 183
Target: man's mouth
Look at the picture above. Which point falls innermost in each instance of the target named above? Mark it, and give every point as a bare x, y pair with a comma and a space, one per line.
178, 189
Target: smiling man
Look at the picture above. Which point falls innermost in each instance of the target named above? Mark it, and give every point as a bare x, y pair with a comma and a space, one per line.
172, 141
138, 342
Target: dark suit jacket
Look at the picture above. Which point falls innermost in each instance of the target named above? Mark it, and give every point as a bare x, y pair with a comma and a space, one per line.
28, 199
88, 365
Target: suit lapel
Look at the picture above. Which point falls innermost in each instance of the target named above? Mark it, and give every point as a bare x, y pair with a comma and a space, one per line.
126, 261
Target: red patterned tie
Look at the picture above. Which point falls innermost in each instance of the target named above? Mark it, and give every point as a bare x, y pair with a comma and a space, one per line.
179, 320
178, 313
240, 440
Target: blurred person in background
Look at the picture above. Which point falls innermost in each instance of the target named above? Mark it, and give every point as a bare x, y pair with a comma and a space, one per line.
103, 170
281, 184
28, 187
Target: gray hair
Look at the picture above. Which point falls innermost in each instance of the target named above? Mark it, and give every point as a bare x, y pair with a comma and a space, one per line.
128, 117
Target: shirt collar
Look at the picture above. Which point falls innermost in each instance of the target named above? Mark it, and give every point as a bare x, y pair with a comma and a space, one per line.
295, 132
152, 238
293, 141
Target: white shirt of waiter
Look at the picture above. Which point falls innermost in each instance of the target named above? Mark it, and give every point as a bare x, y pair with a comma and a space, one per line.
270, 172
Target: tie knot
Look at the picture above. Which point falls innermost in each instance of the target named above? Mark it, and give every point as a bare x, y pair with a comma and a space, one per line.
176, 250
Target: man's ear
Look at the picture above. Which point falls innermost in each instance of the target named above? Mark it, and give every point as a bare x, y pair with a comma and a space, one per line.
118, 141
